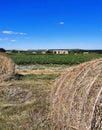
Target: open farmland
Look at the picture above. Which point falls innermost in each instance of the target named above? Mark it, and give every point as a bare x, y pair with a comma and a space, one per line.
36, 95
28, 59
24, 99
24, 96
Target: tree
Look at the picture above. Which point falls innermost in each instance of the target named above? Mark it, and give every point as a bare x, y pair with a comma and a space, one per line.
49, 52
2, 50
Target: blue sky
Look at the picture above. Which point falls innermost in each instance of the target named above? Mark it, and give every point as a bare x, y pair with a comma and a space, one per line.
51, 24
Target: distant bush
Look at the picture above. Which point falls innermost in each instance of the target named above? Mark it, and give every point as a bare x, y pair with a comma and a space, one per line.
49, 52
2, 50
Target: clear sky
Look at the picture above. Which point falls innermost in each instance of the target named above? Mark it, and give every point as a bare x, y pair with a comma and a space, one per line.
51, 24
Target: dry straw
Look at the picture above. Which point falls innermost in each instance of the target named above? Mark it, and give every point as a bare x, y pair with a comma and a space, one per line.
6, 67
76, 100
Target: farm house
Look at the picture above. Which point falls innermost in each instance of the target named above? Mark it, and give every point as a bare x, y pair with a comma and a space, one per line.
60, 52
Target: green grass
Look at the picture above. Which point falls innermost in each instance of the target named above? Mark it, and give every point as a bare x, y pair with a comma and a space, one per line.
28, 59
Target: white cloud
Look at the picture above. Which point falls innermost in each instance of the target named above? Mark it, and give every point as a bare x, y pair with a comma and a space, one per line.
12, 32
61, 23
6, 39
7, 32
21, 33
13, 40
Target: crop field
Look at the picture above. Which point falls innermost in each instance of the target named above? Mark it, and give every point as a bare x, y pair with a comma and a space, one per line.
28, 59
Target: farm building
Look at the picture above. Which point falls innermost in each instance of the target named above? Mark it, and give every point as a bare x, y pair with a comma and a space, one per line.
60, 51
85, 52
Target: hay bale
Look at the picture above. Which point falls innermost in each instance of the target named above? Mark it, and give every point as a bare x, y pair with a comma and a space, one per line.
76, 100
7, 67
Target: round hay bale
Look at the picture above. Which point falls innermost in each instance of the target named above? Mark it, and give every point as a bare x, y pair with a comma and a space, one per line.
7, 67
76, 99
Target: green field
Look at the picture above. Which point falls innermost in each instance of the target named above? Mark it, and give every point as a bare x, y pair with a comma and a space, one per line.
28, 59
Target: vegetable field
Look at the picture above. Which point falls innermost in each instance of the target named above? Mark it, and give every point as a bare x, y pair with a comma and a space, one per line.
28, 59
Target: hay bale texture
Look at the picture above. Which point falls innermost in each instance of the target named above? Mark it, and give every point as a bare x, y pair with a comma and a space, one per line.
7, 67
76, 100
